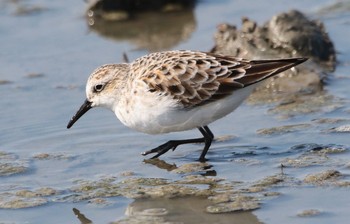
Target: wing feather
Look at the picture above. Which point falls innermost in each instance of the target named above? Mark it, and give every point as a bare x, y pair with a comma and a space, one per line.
195, 78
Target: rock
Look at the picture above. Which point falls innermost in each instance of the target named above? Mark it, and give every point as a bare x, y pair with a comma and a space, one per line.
269, 181
238, 203
11, 168
309, 212
4, 82
291, 34
340, 129
322, 178
295, 33
282, 129
19, 202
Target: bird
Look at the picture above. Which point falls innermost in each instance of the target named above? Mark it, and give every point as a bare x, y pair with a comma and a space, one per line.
178, 90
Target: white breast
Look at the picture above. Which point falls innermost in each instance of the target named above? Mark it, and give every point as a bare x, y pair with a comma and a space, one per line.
153, 114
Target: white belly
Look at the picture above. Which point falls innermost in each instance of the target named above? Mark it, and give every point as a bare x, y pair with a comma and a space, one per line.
156, 116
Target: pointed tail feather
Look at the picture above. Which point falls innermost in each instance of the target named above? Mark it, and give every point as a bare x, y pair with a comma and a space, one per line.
263, 69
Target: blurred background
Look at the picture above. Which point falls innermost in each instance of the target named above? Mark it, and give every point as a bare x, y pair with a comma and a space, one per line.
49, 48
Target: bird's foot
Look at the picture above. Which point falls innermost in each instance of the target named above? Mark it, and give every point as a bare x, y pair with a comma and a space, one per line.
160, 150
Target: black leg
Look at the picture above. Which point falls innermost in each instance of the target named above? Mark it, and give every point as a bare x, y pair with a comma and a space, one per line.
172, 144
208, 138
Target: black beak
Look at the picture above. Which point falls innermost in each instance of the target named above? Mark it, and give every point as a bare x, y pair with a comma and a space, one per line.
82, 110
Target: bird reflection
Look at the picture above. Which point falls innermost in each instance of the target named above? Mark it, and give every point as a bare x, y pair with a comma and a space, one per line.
154, 29
203, 169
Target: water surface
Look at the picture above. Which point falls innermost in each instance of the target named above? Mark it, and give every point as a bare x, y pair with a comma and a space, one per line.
48, 51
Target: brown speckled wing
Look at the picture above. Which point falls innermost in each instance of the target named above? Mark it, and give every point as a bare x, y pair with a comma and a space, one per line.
195, 78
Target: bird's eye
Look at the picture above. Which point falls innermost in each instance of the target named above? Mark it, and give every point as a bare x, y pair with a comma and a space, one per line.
98, 88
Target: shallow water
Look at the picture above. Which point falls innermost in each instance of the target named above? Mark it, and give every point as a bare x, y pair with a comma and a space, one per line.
48, 51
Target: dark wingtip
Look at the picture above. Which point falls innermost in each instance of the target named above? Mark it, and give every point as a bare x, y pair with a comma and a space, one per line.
295, 61
301, 60
263, 69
